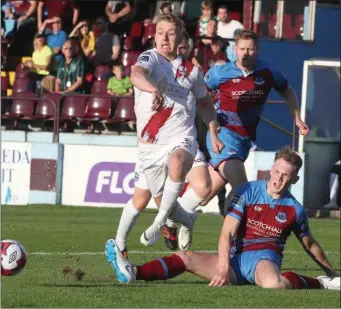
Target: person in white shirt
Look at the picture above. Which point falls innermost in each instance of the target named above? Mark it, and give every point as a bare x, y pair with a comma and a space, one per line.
165, 125
226, 26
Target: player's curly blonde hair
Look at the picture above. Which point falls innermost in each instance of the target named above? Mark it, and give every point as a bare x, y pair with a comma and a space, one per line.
171, 18
290, 156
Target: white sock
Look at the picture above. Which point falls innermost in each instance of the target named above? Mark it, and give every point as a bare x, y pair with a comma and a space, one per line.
170, 195
180, 215
190, 201
334, 187
128, 218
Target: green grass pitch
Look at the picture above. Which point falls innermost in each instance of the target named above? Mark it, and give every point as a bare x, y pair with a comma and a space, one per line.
67, 268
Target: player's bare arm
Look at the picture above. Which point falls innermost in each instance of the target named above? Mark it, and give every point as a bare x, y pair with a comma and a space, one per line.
139, 78
315, 251
208, 113
290, 98
228, 231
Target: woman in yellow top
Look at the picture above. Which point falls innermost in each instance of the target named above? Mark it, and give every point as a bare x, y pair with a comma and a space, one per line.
43, 60
87, 37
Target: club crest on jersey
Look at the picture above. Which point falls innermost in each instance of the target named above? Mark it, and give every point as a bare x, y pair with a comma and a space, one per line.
259, 209
236, 80
281, 217
181, 73
259, 80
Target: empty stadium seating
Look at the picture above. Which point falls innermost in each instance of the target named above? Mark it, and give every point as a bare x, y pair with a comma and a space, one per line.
45, 109
99, 86
124, 110
98, 108
102, 72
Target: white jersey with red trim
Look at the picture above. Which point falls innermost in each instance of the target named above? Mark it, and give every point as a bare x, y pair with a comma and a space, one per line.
175, 80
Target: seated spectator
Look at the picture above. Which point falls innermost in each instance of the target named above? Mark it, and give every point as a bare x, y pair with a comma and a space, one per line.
55, 37
211, 32
227, 29
178, 8
210, 55
67, 10
17, 14
70, 74
165, 8
206, 16
118, 14
119, 84
87, 37
107, 46
334, 187
227, 26
43, 59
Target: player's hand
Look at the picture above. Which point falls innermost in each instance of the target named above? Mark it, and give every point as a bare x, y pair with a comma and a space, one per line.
113, 17
217, 145
221, 279
303, 129
158, 100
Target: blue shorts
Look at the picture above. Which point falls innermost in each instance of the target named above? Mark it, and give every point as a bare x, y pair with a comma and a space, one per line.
244, 263
236, 147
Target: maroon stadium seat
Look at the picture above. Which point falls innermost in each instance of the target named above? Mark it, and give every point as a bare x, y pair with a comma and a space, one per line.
102, 72
98, 108
23, 85
74, 107
299, 24
22, 107
128, 59
21, 71
136, 29
99, 86
45, 108
124, 110
234, 15
4, 85
148, 33
288, 31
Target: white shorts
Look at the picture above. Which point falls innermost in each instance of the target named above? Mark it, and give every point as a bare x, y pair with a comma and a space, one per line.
151, 170
140, 180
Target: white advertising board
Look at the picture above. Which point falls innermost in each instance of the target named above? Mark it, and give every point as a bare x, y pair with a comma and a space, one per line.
15, 173
104, 176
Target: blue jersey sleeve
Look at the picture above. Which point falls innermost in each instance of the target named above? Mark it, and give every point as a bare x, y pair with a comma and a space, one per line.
212, 79
280, 82
301, 227
236, 207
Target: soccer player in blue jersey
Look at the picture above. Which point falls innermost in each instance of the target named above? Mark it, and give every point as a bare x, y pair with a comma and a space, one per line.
260, 217
243, 87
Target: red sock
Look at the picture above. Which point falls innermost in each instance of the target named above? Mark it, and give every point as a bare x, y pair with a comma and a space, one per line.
301, 282
161, 269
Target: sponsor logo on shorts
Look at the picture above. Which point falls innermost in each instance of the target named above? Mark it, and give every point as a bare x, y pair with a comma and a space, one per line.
231, 152
281, 217
136, 176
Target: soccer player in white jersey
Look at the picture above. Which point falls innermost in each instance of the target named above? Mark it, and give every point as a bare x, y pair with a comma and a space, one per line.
199, 179
165, 126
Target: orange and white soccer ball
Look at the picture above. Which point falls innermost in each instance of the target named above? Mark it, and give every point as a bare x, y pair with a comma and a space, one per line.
13, 257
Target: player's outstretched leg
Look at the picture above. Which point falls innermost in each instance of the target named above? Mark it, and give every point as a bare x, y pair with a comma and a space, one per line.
124, 270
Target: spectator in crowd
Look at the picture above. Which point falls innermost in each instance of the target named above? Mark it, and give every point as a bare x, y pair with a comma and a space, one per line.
55, 37
119, 84
67, 10
206, 16
227, 26
227, 29
43, 59
107, 47
334, 187
211, 32
87, 37
70, 74
165, 8
17, 14
178, 8
206, 57
118, 14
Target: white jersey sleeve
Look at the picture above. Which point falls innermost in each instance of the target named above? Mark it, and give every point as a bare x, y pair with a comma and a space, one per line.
199, 87
147, 60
